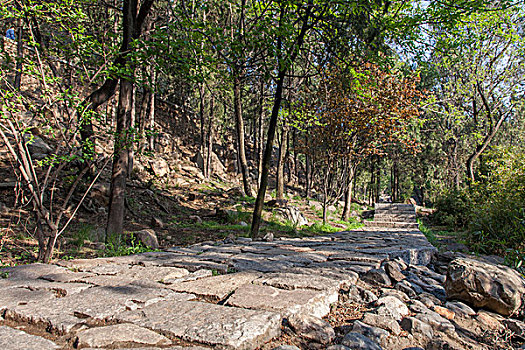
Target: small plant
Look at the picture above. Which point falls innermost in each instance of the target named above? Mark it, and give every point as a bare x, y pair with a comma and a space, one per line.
116, 246
319, 227
429, 234
85, 233
515, 258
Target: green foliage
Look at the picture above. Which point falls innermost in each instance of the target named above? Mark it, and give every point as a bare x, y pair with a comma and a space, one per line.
453, 210
429, 234
498, 216
118, 246
85, 233
492, 210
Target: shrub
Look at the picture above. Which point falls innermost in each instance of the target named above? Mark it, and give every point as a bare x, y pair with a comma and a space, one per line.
453, 210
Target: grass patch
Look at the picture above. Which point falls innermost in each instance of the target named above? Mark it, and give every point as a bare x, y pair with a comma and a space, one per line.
117, 245
212, 225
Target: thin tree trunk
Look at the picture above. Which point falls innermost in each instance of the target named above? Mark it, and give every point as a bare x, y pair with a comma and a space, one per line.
378, 180
308, 175
295, 160
151, 109
202, 138
239, 124
19, 53
132, 122
209, 148
349, 192
260, 146
259, 202
280, 165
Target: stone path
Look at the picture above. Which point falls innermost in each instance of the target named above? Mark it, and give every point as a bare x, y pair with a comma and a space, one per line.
231, 294
393, 215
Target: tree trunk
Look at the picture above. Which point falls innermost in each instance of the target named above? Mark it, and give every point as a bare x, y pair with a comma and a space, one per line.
349, 193
19, 53
202, 138
308, 175
260, 139
259, 202
209, 147
280, 165
132, 131
115, 225
132, 22
151, 116
239, 124
377, 187
295, 160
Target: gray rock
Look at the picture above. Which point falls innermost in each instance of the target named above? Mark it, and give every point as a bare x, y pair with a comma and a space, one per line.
396, 293
14, 339
292, 214
417, 328
374, 333
437, 322
428, 302
312, 328
460, 309
382, 322
37, 146
286, 347
377, 277
494, 287
216, 288
338, 347
97, 303
392, 307
106, 336
148, 237
406, 288
418, 307
393, 269
215, 325
358, 294
286, 280
159, 167
287, 302
357, 341
268, 237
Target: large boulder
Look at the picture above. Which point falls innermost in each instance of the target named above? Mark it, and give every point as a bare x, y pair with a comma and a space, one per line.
217, 167
490, 286
292, 214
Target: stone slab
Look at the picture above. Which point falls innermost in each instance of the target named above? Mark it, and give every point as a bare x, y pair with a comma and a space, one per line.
215, 325
287, 280
99, 337
14, 339
216, 288
98, 303
286, 302
12, 297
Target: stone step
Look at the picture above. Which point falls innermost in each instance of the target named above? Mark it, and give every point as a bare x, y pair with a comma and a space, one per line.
392, 211
391, 224
400, 206
395, 219
395, 215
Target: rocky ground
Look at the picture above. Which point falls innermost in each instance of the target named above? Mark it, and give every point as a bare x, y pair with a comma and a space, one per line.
364, 289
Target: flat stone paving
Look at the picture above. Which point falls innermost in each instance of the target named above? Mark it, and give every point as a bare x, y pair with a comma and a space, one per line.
211, 295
